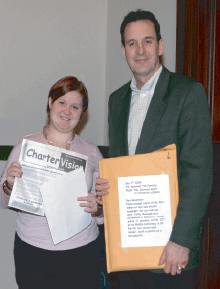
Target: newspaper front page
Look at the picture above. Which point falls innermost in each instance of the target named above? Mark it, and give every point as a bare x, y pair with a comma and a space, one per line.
41, 163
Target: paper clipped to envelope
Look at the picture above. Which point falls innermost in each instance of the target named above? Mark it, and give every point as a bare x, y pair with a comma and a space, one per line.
140, 208
64, 215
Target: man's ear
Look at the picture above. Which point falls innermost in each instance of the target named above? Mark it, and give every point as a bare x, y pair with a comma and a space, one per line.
161, 46
123, 52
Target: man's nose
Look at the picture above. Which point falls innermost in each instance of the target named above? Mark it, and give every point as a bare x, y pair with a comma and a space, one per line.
140, 48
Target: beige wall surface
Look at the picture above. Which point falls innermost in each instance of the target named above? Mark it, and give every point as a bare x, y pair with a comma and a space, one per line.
43, 41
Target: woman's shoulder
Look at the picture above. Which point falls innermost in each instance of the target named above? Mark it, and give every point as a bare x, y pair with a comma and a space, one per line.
34, 137
82, 141
87, 147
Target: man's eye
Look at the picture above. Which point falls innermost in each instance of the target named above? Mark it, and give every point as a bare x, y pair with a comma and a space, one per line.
131, 43
75, 107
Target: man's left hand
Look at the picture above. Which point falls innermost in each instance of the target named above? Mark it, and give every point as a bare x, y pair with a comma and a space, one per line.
175, 257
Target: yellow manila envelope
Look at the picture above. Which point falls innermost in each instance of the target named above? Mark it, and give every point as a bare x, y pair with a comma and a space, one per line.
140, 208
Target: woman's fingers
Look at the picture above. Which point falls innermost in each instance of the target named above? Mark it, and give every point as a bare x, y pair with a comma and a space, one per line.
90, 204
14, 170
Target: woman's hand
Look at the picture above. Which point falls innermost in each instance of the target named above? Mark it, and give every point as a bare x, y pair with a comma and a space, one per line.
14, 170
91, 203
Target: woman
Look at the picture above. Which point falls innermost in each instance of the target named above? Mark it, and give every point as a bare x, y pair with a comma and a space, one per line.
72, 263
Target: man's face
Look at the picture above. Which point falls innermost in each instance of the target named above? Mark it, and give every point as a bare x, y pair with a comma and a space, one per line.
142, 50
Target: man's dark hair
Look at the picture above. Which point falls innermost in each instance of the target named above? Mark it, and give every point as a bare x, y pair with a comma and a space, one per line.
134, 16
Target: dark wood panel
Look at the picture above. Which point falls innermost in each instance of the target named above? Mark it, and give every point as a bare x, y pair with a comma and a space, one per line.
213, 254
198, 56
198, 47
4, 152
216, 79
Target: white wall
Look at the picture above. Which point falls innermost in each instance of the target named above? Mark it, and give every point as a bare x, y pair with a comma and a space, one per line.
42, 41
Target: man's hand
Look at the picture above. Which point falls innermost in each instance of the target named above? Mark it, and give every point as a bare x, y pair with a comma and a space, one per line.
102, 188
174, 256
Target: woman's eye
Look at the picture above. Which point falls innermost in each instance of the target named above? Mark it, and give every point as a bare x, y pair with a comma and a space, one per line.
62, 102
75, 107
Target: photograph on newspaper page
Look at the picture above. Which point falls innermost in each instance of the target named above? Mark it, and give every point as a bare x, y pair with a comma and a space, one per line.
41, 163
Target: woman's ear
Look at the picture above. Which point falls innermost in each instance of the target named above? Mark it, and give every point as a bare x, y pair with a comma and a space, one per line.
49, 102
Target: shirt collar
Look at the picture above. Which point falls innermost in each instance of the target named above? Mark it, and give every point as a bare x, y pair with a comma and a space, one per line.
149, 84
50, 142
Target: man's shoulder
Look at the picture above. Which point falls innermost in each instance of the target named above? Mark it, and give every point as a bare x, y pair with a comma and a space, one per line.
121, 90
179, 79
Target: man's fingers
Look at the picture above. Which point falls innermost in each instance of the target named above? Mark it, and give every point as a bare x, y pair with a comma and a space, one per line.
168, 267
162, 259
175, 258
179, 269
173, 270
100, 181
101, 193
104, 187
102, 184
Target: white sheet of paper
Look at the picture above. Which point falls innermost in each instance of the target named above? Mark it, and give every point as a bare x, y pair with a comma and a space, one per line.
145, 210
64, 215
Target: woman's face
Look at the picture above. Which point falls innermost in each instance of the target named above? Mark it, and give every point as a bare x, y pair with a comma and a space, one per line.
65, 112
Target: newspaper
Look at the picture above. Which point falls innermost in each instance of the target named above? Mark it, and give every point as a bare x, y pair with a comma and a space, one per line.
41, 163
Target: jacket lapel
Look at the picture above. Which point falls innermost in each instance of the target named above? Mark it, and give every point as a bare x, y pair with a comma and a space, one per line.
154, 113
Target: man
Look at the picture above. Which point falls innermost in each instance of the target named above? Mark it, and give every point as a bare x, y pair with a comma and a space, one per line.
155, 109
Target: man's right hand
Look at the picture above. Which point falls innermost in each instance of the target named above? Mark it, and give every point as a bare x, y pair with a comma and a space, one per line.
102, 187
